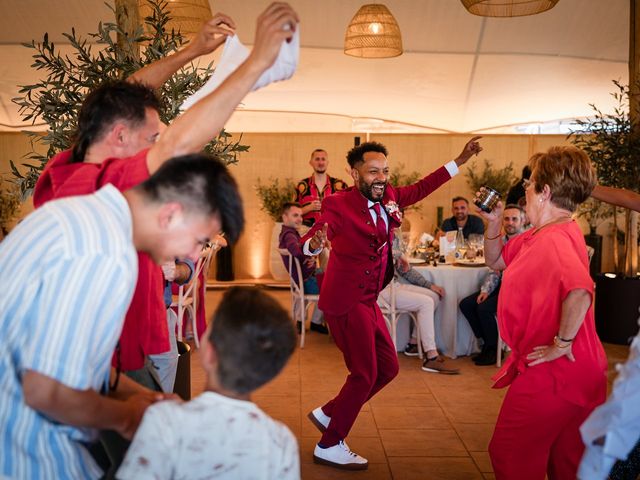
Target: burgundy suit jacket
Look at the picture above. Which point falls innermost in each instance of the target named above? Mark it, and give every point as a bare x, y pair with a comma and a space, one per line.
351, 232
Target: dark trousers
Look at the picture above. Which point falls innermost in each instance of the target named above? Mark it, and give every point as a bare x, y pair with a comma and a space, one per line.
363, 337
482, 317
115, 445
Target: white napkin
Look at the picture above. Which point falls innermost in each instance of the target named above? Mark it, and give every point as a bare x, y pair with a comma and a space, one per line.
235, 53
426, 238
448, 243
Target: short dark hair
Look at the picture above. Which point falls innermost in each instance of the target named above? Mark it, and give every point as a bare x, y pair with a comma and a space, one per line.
513, 205
253, 337
111, 101
457, 199
526, 172
286, 206
202, 184
318, 150
356, 154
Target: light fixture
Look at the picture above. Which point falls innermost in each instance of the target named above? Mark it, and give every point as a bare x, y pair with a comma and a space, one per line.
373, 33
508, 8
186, 15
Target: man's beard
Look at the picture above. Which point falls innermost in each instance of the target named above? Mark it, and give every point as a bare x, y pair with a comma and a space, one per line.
460, 218
317, 170
367, 190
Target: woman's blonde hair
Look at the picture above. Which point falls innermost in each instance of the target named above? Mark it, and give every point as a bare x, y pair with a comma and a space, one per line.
568, 172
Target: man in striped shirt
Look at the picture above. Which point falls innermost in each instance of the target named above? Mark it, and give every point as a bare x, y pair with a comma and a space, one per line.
56, 344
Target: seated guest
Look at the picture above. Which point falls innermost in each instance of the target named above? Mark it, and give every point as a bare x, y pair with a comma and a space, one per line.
166, 364
290, 239
56, 344
420, 296
462, 219
480, 307
221, 433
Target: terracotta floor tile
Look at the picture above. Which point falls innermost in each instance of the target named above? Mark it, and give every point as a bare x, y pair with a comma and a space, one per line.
376, 471
422, 443
482, 461
471, 412
434, 468
406, 417
475, 436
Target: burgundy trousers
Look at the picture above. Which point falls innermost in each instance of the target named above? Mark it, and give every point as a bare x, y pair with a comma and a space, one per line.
363, 337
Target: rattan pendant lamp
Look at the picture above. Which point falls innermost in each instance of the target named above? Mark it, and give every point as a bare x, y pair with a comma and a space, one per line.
508, 8
373, 33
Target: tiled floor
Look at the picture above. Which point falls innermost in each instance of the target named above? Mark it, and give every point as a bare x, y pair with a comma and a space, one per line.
422, 425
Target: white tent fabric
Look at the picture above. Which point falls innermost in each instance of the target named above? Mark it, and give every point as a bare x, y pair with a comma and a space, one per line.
459, 72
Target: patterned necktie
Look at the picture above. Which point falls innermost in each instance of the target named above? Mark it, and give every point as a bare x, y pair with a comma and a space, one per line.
381, 227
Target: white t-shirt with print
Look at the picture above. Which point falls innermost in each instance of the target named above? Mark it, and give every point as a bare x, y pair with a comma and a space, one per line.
212, 436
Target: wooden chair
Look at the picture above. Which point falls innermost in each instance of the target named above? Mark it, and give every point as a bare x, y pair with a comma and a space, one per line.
187, 299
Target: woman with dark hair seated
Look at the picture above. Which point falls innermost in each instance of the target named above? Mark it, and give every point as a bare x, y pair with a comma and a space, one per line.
557, 369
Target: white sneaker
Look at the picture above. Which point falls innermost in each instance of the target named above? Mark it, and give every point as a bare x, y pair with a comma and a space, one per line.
339, 456
319, 419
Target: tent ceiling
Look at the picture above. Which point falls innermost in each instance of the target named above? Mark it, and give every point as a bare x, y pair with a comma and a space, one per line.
459, 72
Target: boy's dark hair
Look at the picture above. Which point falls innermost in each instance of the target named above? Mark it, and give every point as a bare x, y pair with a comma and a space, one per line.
457, 199
286, 206
202, 184
253, 337
356, 154
111, 101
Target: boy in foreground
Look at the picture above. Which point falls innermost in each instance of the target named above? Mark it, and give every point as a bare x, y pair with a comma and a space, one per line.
221, 432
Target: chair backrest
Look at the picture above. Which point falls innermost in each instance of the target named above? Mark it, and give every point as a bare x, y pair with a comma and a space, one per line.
297, 288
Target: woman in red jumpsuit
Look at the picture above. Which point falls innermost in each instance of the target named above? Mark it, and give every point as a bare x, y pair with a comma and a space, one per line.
557, 370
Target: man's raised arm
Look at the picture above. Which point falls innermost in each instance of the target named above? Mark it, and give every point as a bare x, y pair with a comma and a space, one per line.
191, 131
212, 34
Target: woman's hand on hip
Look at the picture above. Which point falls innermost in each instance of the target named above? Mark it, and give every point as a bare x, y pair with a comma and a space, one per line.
549, 353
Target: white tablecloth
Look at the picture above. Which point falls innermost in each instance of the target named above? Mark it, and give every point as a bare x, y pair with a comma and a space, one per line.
454, 336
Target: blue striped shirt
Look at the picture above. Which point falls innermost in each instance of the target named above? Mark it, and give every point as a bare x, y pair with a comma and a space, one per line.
67, 274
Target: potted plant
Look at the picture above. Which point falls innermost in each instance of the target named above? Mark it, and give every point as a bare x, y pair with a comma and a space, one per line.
9, 205
612, 143
57, 97
272, 196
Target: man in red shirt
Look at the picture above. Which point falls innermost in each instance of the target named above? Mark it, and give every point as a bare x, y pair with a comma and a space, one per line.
117, 122
311, 191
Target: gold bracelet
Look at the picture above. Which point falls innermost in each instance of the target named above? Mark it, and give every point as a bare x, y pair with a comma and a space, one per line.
558, 342
493, 238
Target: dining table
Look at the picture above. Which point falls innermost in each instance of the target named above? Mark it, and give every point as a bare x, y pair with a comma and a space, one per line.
454, 336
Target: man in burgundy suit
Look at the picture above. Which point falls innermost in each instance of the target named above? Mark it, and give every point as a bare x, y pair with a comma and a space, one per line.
359, 223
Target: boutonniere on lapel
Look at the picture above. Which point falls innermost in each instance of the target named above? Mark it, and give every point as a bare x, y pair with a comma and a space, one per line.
393, 211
